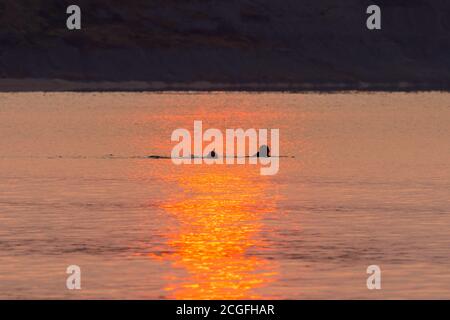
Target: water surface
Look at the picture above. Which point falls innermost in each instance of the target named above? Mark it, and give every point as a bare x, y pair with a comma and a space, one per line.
369, 183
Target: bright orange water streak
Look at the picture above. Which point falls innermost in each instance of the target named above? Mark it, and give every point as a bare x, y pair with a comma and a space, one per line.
220, 222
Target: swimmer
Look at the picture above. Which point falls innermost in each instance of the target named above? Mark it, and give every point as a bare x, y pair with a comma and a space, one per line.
212, 154
264, 152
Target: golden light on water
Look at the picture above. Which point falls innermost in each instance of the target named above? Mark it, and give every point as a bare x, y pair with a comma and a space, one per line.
219, 220
365, 166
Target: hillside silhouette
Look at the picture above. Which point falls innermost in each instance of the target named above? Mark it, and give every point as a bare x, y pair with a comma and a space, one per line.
225, 45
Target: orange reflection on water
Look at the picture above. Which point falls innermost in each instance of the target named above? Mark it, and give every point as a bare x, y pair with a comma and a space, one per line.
219, 216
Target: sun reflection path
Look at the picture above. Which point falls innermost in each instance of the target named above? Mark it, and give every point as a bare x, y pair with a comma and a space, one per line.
219, 216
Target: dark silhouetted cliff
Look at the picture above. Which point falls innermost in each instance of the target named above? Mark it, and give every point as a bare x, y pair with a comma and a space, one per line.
218, 44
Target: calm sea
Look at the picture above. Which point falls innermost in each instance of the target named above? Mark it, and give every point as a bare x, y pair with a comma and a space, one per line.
367, 182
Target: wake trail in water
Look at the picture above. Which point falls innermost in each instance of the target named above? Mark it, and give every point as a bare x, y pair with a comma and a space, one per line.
148, 157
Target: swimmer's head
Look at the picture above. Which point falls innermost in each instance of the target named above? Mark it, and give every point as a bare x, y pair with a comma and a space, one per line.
264, 151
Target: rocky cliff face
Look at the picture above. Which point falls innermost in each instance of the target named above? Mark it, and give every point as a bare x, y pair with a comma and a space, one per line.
271, 44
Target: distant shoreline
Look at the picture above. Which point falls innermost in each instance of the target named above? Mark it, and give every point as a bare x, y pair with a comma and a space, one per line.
58, 85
